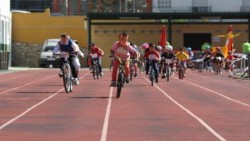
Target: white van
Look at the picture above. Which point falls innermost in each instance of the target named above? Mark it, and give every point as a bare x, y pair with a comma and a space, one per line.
46, 58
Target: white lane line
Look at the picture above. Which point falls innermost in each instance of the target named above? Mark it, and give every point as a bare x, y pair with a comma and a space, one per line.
33, 107
106, 120
25, 85
28, 110
191, 114
231, 99
237, 85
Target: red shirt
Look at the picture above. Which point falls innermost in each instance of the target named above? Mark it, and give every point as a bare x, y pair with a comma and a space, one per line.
152, 55
97, 51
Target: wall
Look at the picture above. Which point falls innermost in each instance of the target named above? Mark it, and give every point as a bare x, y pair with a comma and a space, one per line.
105, 35
37, 27
34, 28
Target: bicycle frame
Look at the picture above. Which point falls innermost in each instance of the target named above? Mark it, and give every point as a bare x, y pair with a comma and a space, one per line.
151, 72
95, 68
67, 76
121, 78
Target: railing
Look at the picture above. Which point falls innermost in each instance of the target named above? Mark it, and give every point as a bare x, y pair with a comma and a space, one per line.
240, 66
81, 7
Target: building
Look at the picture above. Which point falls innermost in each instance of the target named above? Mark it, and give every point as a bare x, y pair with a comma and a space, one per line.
189, 22
5, 35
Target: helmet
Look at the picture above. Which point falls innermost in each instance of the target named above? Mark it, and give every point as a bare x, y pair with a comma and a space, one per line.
189, 49
145, 46
92, 44
218, 48
169, 47
158, 47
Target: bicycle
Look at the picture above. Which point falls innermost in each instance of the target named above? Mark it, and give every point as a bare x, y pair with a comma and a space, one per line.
132, 68
121, 77
96, 72
151, 72
167, 63
181, 69
217, 65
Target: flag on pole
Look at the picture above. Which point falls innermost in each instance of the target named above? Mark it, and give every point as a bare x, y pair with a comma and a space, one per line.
163, 37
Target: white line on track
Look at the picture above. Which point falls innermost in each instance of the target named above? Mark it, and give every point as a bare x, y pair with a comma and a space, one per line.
28, 110
219, 76
33, 107
106, 120
191, 114
25, 85
244, 104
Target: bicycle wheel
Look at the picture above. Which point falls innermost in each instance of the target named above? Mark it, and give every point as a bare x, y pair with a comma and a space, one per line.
131, 74
181, 73
97, 73
67, 82
200, 67
119, 84
167, 73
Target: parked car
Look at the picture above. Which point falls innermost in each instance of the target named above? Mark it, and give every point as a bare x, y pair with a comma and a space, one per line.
46, 58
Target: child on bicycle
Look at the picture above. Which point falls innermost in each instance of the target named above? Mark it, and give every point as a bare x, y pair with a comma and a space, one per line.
182, 57
167, 54
96, 53
68, 49
154, 56
123, 50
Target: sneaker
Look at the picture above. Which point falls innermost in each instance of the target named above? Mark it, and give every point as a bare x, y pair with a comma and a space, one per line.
60, 74
101, 73
76, 81
163, 76
113, 84
135, 74
127, 79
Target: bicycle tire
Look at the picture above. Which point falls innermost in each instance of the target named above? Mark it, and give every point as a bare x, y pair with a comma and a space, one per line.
131, 75
97, 72
200, 67
119, 85
167, 73
67, 82
181, 73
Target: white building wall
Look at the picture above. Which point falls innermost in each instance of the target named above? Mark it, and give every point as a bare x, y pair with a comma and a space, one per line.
216, 5
226, 5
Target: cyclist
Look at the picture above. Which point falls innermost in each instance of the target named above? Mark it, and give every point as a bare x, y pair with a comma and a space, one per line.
96, 53
167, 54
207, 56
182, 57
68, 48
135, 65
123, 50
190, 53
76, 61
152, 55
218, 53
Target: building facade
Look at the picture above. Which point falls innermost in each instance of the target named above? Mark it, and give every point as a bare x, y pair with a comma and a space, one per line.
81, 7
5, 34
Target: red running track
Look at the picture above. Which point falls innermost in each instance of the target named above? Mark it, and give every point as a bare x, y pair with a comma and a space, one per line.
202, 107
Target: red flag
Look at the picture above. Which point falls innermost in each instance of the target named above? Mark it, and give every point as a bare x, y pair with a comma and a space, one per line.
163, 39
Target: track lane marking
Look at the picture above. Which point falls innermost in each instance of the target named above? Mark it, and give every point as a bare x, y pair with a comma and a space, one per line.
190, 113
205, 77
33, 107
107, 115
217, 93
25, 85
